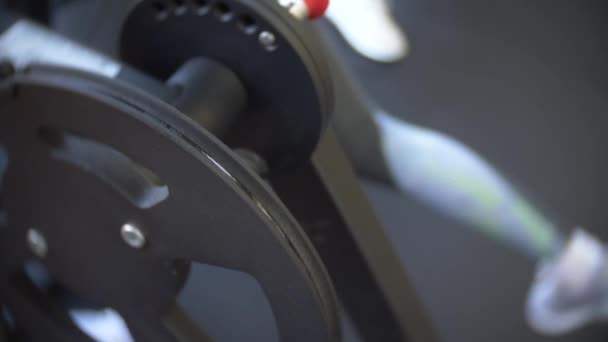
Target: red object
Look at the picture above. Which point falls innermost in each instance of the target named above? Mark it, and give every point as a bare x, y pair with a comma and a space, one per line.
316, 8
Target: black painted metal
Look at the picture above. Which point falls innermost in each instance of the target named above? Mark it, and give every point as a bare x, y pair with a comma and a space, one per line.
326, 197
360, 294
217, 212
46, 319
209, 94
288, 85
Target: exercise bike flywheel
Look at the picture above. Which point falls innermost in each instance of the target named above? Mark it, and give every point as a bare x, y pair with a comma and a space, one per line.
115, 189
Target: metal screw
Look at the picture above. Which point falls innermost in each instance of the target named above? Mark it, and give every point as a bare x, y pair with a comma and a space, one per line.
133, 236
37, 243
267, 39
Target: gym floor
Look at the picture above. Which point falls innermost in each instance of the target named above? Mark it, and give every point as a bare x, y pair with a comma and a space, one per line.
524, 83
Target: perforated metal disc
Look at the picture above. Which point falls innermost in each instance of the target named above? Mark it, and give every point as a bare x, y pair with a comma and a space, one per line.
276, 57
214, 212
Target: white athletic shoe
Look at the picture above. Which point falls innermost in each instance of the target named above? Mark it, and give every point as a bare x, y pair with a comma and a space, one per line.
369, 27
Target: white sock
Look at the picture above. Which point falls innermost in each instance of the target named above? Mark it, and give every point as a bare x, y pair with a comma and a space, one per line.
369, 27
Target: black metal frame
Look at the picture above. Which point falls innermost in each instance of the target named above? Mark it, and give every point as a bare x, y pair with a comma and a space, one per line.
325, 196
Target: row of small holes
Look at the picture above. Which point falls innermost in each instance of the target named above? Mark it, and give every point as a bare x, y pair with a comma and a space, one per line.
245, 22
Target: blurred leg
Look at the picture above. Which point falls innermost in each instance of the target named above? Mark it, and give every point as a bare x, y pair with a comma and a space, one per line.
369, 27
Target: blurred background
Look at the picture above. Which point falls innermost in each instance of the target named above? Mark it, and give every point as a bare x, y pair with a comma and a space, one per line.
524, 83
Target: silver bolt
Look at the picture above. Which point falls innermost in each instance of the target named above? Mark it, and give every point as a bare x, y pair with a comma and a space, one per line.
267, 39
133, 236
37, 243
